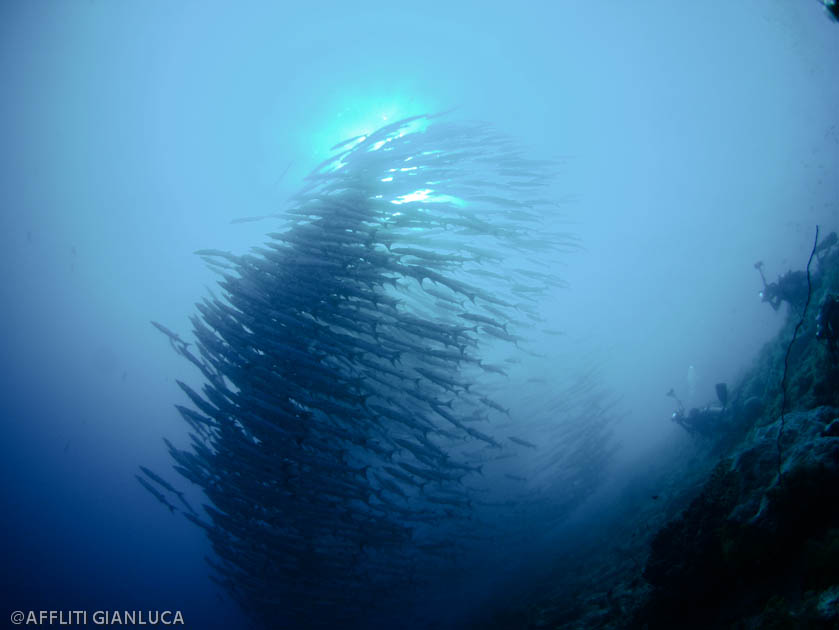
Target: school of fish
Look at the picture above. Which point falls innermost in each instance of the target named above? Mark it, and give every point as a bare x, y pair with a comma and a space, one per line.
352, 423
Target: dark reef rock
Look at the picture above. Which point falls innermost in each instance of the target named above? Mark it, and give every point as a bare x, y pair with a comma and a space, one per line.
751, 545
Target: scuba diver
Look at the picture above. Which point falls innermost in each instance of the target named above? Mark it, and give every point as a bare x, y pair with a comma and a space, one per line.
705, 421
791, 287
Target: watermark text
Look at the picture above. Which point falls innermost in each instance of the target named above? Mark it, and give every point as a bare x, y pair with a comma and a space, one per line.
97, 618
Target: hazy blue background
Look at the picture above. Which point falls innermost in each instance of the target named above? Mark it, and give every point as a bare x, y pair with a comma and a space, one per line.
701, 137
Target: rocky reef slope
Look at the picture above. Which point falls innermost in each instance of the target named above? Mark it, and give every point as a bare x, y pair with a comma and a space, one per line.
744, 529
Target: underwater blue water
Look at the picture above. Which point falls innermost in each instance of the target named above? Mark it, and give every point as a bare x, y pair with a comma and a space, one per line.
695, 140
